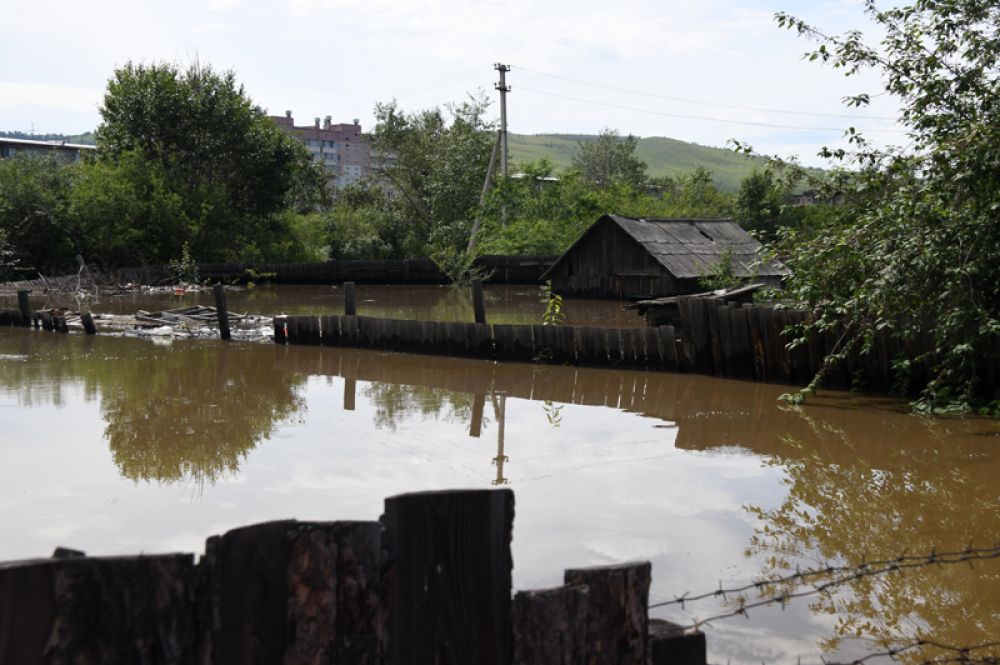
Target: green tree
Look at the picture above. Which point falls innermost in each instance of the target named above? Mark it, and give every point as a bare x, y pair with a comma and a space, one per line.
34, 211
758, 202
199, 133
915, 247
434, 170
609, 159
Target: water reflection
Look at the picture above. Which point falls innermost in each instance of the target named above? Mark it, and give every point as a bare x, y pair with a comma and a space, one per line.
190, 412
851, 505
608, 465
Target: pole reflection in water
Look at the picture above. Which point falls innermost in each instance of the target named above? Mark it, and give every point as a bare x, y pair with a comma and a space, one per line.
710, 480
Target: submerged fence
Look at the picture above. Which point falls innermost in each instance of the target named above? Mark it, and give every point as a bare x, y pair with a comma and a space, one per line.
429, 583
714, 338
499, 269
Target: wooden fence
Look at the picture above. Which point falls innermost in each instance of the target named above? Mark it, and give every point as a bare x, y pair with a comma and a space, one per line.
501, 270
747, 342
429, 583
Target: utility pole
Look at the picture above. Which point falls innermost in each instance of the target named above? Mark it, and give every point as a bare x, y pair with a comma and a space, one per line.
504, 89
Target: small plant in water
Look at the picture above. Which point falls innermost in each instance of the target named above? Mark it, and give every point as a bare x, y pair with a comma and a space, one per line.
184, 270
554, 315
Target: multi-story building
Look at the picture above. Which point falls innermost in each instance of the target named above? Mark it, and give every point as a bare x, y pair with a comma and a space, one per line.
342, 149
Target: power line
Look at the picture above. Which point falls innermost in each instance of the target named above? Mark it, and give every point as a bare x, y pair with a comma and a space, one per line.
703, 118
698, 102
436, 83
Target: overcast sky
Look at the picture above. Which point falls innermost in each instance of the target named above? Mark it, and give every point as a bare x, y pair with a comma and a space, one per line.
338, 57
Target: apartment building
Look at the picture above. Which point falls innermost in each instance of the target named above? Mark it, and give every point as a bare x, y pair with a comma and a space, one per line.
342, 149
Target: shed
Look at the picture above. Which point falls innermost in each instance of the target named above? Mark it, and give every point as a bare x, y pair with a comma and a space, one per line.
623, 257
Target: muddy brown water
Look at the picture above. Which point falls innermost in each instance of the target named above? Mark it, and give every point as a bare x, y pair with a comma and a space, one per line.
117, 445
504, 303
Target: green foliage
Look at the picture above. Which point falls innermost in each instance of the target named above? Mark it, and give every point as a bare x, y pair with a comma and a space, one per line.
194, 137
34, 206
915, 246
185, 269
663, 156
435, 171
553, 315
610, 159
722, 275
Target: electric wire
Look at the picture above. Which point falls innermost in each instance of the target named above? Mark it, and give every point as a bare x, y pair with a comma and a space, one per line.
698, 102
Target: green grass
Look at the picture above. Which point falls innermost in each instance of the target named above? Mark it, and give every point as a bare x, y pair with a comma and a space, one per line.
663, 156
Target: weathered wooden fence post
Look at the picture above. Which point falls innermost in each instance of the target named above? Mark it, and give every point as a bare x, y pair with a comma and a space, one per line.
134, 609
350, 391
478, 304
550, 626
449, 581
616, 622
222, 311
290, 592
25, 307
88, 323
350, 299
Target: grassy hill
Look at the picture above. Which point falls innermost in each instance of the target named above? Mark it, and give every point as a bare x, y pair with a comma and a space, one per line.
663, 156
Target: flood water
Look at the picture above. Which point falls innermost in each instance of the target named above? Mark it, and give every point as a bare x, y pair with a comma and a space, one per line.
504, 303
118, 445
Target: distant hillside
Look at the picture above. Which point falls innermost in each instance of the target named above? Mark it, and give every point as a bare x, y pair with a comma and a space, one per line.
87, 138
663, 156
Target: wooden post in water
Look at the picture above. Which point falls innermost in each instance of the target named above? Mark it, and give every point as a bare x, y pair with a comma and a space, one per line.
617, 623
88, 323
448, 584
25, 307
350, 299
222, 311
478, 305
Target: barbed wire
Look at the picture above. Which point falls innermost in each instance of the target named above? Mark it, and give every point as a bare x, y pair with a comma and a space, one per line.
961, 654
842, 575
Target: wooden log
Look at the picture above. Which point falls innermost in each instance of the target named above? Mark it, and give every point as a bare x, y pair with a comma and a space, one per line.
59, 323
449, 580
221, 311
24, 306
136, 609
617, 623
350, 299
478, 302
549, 626
670, 644
88, 323
293, 593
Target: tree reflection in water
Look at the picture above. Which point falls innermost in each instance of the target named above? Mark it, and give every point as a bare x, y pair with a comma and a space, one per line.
187, 412
843, 506
194, 414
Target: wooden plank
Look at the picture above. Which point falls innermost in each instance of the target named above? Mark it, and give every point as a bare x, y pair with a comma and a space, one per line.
350, 335
449, 577
616, 623
285, 592
743, 355
758, 343
567, 346
696, 329
549, 626
714, 328
331, 330
350, 299
279, 324
668, 343
726, 339
134, 609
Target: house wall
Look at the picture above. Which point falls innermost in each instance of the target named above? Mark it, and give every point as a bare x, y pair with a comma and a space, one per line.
608, 263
